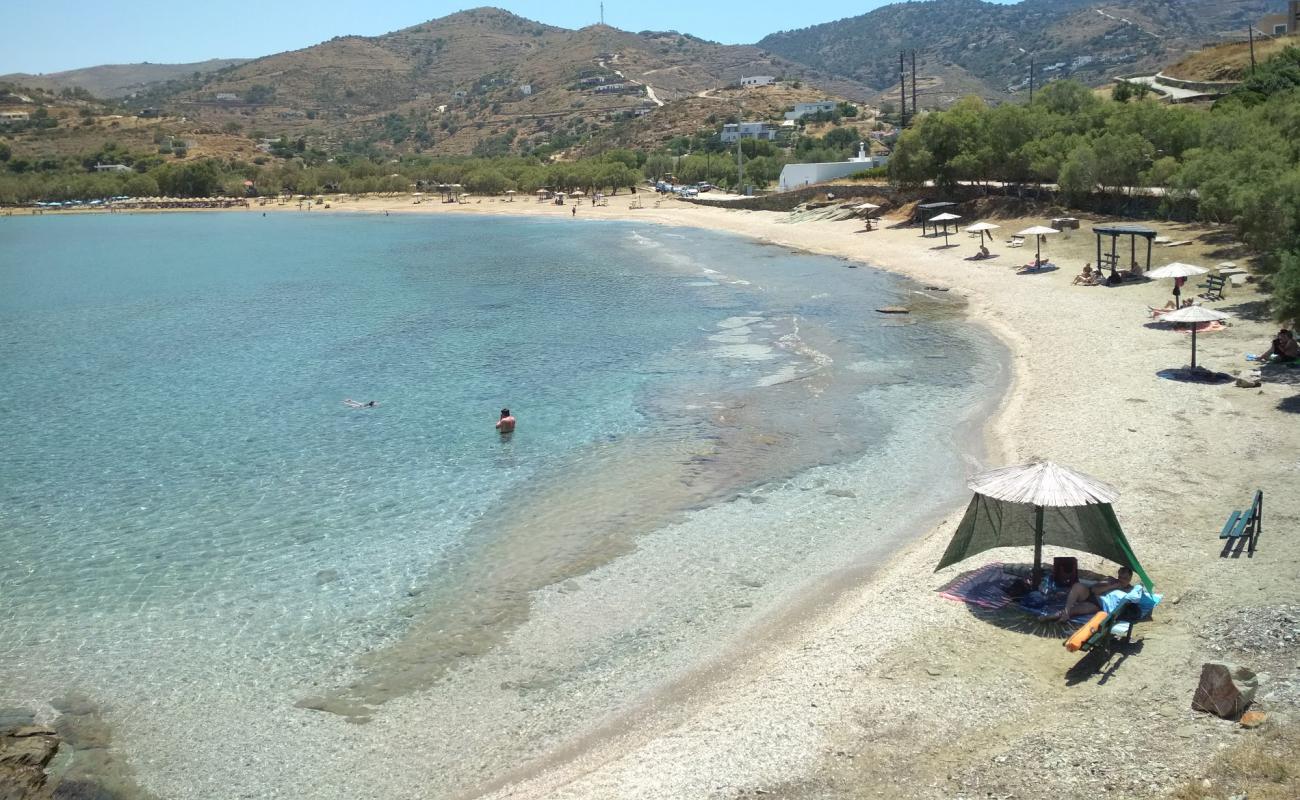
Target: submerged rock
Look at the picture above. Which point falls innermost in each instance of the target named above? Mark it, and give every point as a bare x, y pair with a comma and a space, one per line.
893, 310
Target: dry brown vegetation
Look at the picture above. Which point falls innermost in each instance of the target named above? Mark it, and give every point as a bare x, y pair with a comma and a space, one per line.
1262, 765
1227, 62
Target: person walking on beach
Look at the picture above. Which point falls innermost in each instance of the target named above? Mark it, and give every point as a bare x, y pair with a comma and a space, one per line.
507, 422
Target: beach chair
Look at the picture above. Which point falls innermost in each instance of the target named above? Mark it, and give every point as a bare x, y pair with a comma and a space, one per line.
1244, 527
1213, 287
1016, 241
1106, 630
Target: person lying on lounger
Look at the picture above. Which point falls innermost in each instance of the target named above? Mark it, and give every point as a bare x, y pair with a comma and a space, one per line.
1086, 600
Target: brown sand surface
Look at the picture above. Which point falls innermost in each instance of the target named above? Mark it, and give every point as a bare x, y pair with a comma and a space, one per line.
880, 688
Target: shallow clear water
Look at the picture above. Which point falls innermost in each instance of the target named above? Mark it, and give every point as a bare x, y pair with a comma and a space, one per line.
195, 525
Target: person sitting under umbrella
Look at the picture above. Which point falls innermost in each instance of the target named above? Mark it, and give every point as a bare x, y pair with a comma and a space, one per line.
1085, 600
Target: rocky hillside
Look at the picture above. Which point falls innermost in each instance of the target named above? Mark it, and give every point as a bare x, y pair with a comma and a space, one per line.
110, 81
962, 44
475, 79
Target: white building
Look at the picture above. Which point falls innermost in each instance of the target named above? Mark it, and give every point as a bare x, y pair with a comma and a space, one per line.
526, 89
795, 176
112, 168
732, 132
802, 110
758, 80
227, 97
14, 116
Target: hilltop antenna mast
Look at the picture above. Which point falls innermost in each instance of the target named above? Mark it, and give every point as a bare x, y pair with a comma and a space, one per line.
602, 13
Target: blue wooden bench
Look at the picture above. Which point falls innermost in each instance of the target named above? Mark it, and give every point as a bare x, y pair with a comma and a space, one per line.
1243, 527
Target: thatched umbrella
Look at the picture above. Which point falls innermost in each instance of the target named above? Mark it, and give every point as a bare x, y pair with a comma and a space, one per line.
1036, 502
1177, 270
945, 218
981, 228
1194, 315
1038, 231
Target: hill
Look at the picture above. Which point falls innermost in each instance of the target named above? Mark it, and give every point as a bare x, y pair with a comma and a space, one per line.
968, 43
110, 81
1227, 62
474, 79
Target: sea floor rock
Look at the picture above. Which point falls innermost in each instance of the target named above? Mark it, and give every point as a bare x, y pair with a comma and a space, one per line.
1225, 690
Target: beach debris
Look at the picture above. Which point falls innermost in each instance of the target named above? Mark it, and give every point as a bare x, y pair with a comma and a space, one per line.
1225, 690
1249, 383
893, 310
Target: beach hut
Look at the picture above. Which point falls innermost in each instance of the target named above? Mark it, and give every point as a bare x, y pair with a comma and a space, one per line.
1036, 503
945, 219
982, 228
1194, 315
1177, 270
1038, 231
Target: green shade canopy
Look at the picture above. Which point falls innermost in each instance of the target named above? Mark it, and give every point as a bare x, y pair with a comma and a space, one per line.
1041, 503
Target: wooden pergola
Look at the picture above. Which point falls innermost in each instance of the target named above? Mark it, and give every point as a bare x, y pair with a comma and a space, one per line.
925, 209
1111, 259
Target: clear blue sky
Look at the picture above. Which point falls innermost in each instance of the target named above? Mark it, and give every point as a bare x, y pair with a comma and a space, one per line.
54, 35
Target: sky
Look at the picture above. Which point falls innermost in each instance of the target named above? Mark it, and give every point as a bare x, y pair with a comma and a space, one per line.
55, 35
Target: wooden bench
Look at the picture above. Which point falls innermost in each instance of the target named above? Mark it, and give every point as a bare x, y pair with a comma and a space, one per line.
1214, 287
1243, 527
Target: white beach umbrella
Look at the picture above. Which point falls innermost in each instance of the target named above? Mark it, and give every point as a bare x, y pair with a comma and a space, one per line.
945, 218
865, 207
1194, 315
1038, 231
577, 194
1042, 483
981, 228
1177, 270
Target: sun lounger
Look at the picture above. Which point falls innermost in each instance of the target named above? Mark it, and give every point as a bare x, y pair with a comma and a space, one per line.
1016, 241
1104, 630
1244, 526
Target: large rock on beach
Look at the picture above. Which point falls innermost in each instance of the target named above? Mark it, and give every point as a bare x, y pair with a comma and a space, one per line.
24, 754
1225, 690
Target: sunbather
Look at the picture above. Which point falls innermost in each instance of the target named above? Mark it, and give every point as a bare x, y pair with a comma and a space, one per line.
1085, 600
1087, 277
1284, 349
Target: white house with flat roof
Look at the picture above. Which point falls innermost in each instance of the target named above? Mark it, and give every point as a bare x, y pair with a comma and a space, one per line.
732, 132
757, 80
795, 176
802, 110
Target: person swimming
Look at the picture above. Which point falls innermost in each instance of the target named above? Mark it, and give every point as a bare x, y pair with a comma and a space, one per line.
350, 403
507, 422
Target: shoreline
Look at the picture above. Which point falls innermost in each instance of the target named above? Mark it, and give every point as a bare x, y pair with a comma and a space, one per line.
857, 698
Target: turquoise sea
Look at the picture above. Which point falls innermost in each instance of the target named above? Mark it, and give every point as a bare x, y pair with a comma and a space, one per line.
206, 544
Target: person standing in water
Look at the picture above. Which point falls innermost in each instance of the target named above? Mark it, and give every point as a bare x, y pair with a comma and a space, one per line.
507, 423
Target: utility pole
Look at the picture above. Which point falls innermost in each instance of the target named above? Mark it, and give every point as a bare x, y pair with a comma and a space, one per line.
902, 92
1250, 31
1031, 78
915, 107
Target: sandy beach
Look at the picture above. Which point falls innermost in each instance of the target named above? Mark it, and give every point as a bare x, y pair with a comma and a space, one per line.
878, 687
873, 685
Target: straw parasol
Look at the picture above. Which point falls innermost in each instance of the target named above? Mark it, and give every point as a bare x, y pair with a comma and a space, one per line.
945, 218
1177, 270
1011, 508
578, 193
1038, 231
981, 228
1194, 315
865, 207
